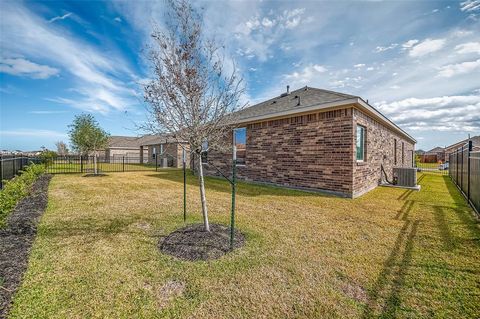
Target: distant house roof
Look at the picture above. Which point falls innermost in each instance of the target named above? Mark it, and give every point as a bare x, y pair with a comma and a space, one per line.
124, 142
157, 139
134, 142
475, 141
309, 99
437, 149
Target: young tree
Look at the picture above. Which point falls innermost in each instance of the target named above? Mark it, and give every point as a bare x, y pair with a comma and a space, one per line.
87, 136
191, 96
62, 148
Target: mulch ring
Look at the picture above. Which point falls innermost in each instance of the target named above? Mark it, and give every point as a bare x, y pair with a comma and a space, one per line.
17, 238
194, 243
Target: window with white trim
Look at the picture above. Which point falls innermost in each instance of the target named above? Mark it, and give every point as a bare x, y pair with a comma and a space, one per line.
240, 142
360, 143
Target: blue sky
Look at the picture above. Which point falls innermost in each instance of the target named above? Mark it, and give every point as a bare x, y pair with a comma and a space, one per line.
417, 61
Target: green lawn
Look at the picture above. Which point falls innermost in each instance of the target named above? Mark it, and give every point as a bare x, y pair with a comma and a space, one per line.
392, 253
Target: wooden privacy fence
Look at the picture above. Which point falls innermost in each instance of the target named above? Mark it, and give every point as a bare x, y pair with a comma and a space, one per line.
464, 169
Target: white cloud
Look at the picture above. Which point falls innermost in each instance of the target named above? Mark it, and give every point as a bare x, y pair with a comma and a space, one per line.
60, 17
409, 44
26, 68
382, 49
470, 47
100, 78
266, 22
445, 113
426, 47
459, 68
293, 18
33, 133
358, 66
306, 75
470, 5
118, 19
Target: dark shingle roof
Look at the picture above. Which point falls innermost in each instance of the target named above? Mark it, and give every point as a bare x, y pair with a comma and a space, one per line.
124, 141
137, 141
475, 141
437, 149
308, 97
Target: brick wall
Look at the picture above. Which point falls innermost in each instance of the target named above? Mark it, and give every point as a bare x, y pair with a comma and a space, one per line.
380, 143
170, 151
311, 151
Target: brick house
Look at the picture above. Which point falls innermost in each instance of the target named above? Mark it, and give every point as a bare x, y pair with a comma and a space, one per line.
317, 140
434, 155
164, 151
124, 146
452, 148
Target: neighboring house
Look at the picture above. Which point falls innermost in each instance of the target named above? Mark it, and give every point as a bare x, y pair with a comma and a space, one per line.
165, 151
419, 152
434, 155
317, 140
125, 146
452, 148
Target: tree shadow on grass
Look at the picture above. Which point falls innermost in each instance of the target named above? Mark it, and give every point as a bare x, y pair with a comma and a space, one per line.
243, 188
462, 209
90, 229
383, 298
405, 210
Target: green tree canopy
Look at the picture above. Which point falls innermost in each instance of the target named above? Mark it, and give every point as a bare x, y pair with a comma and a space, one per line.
86, 135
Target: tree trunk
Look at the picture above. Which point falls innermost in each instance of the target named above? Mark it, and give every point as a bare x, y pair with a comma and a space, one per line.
202, 194
95, 164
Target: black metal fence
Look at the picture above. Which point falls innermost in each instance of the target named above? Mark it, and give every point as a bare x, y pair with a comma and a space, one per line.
12, 165
465, 173
86, 164
437, 168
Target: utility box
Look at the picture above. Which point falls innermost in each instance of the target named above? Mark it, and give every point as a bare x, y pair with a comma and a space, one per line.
405, 176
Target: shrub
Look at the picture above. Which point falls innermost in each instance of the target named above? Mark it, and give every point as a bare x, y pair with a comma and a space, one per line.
47, 157
16, 189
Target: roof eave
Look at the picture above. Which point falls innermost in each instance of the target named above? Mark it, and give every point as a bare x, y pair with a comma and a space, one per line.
351, 101
385, 119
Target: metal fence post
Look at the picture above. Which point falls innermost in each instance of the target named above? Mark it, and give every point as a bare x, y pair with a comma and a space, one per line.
156, 163
123, 163
232, 216
456, 167
184, 186
1, 172
470, 147
461, 175
81, 164
13, 165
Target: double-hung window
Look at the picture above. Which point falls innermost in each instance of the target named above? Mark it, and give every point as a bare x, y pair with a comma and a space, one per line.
240, 142
360, 143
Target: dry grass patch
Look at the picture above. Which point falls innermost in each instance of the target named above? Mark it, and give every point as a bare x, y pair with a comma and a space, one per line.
391, 253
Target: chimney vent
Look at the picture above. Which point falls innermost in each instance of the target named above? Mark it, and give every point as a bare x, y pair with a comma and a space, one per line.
288, 89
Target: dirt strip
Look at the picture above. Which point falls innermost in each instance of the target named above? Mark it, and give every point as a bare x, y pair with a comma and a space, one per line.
17, 238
